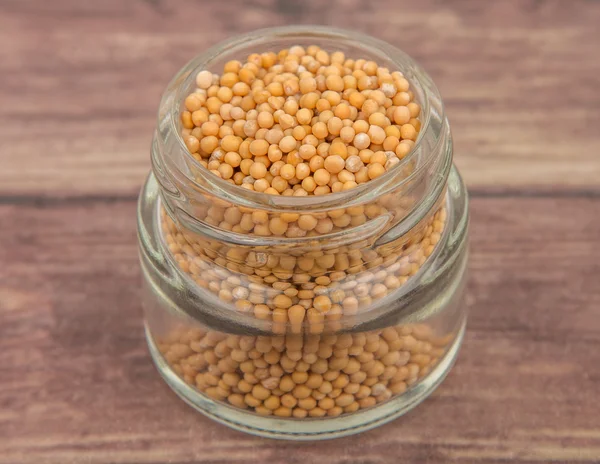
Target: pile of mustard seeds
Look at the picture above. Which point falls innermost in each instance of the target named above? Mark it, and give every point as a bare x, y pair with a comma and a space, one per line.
294, 288
303, 376
300, 122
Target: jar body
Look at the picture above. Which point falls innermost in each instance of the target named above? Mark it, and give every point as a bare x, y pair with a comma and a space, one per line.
306, 336
197, 358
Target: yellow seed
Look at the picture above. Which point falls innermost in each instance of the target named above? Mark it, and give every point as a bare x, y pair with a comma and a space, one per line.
307, 222
307, 85
334, 83
299, 413
288, 143
258, 170
338, 148
204, 79
278, 226
287, 172
414, 108
322, 177
259, 147
334, 164
301, 392
322, 303
282, 301
376, 134
401, 115
361, 140
402, 149
375, 170
408, 132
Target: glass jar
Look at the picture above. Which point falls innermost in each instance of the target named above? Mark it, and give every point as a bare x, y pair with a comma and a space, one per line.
304, 317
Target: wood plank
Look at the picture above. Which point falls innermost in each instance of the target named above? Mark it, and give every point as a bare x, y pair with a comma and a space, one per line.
81, 82
77, 384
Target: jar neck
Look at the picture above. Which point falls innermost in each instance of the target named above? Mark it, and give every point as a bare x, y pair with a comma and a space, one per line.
412, 186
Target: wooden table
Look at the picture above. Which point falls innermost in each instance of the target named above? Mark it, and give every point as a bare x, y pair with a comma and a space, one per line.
79, 87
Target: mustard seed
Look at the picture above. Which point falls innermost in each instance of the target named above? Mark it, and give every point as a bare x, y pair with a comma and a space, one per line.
258, 170
408, 131
334, 164
361, 140
321, 176
376, 134
414, 108
204, 79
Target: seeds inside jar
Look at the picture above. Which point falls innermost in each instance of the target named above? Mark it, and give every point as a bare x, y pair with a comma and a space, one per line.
310, 112
297, 123
296, 375
325, 282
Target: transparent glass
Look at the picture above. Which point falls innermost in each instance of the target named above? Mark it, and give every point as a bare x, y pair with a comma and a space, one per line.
316, 316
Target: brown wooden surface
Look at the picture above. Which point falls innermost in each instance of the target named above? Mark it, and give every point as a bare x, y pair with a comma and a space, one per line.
79, 87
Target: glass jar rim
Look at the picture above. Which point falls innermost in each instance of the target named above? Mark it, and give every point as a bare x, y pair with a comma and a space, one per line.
392, 179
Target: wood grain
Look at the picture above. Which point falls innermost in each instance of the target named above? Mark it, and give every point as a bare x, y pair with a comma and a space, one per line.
79, 88
81, 82
78, 384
